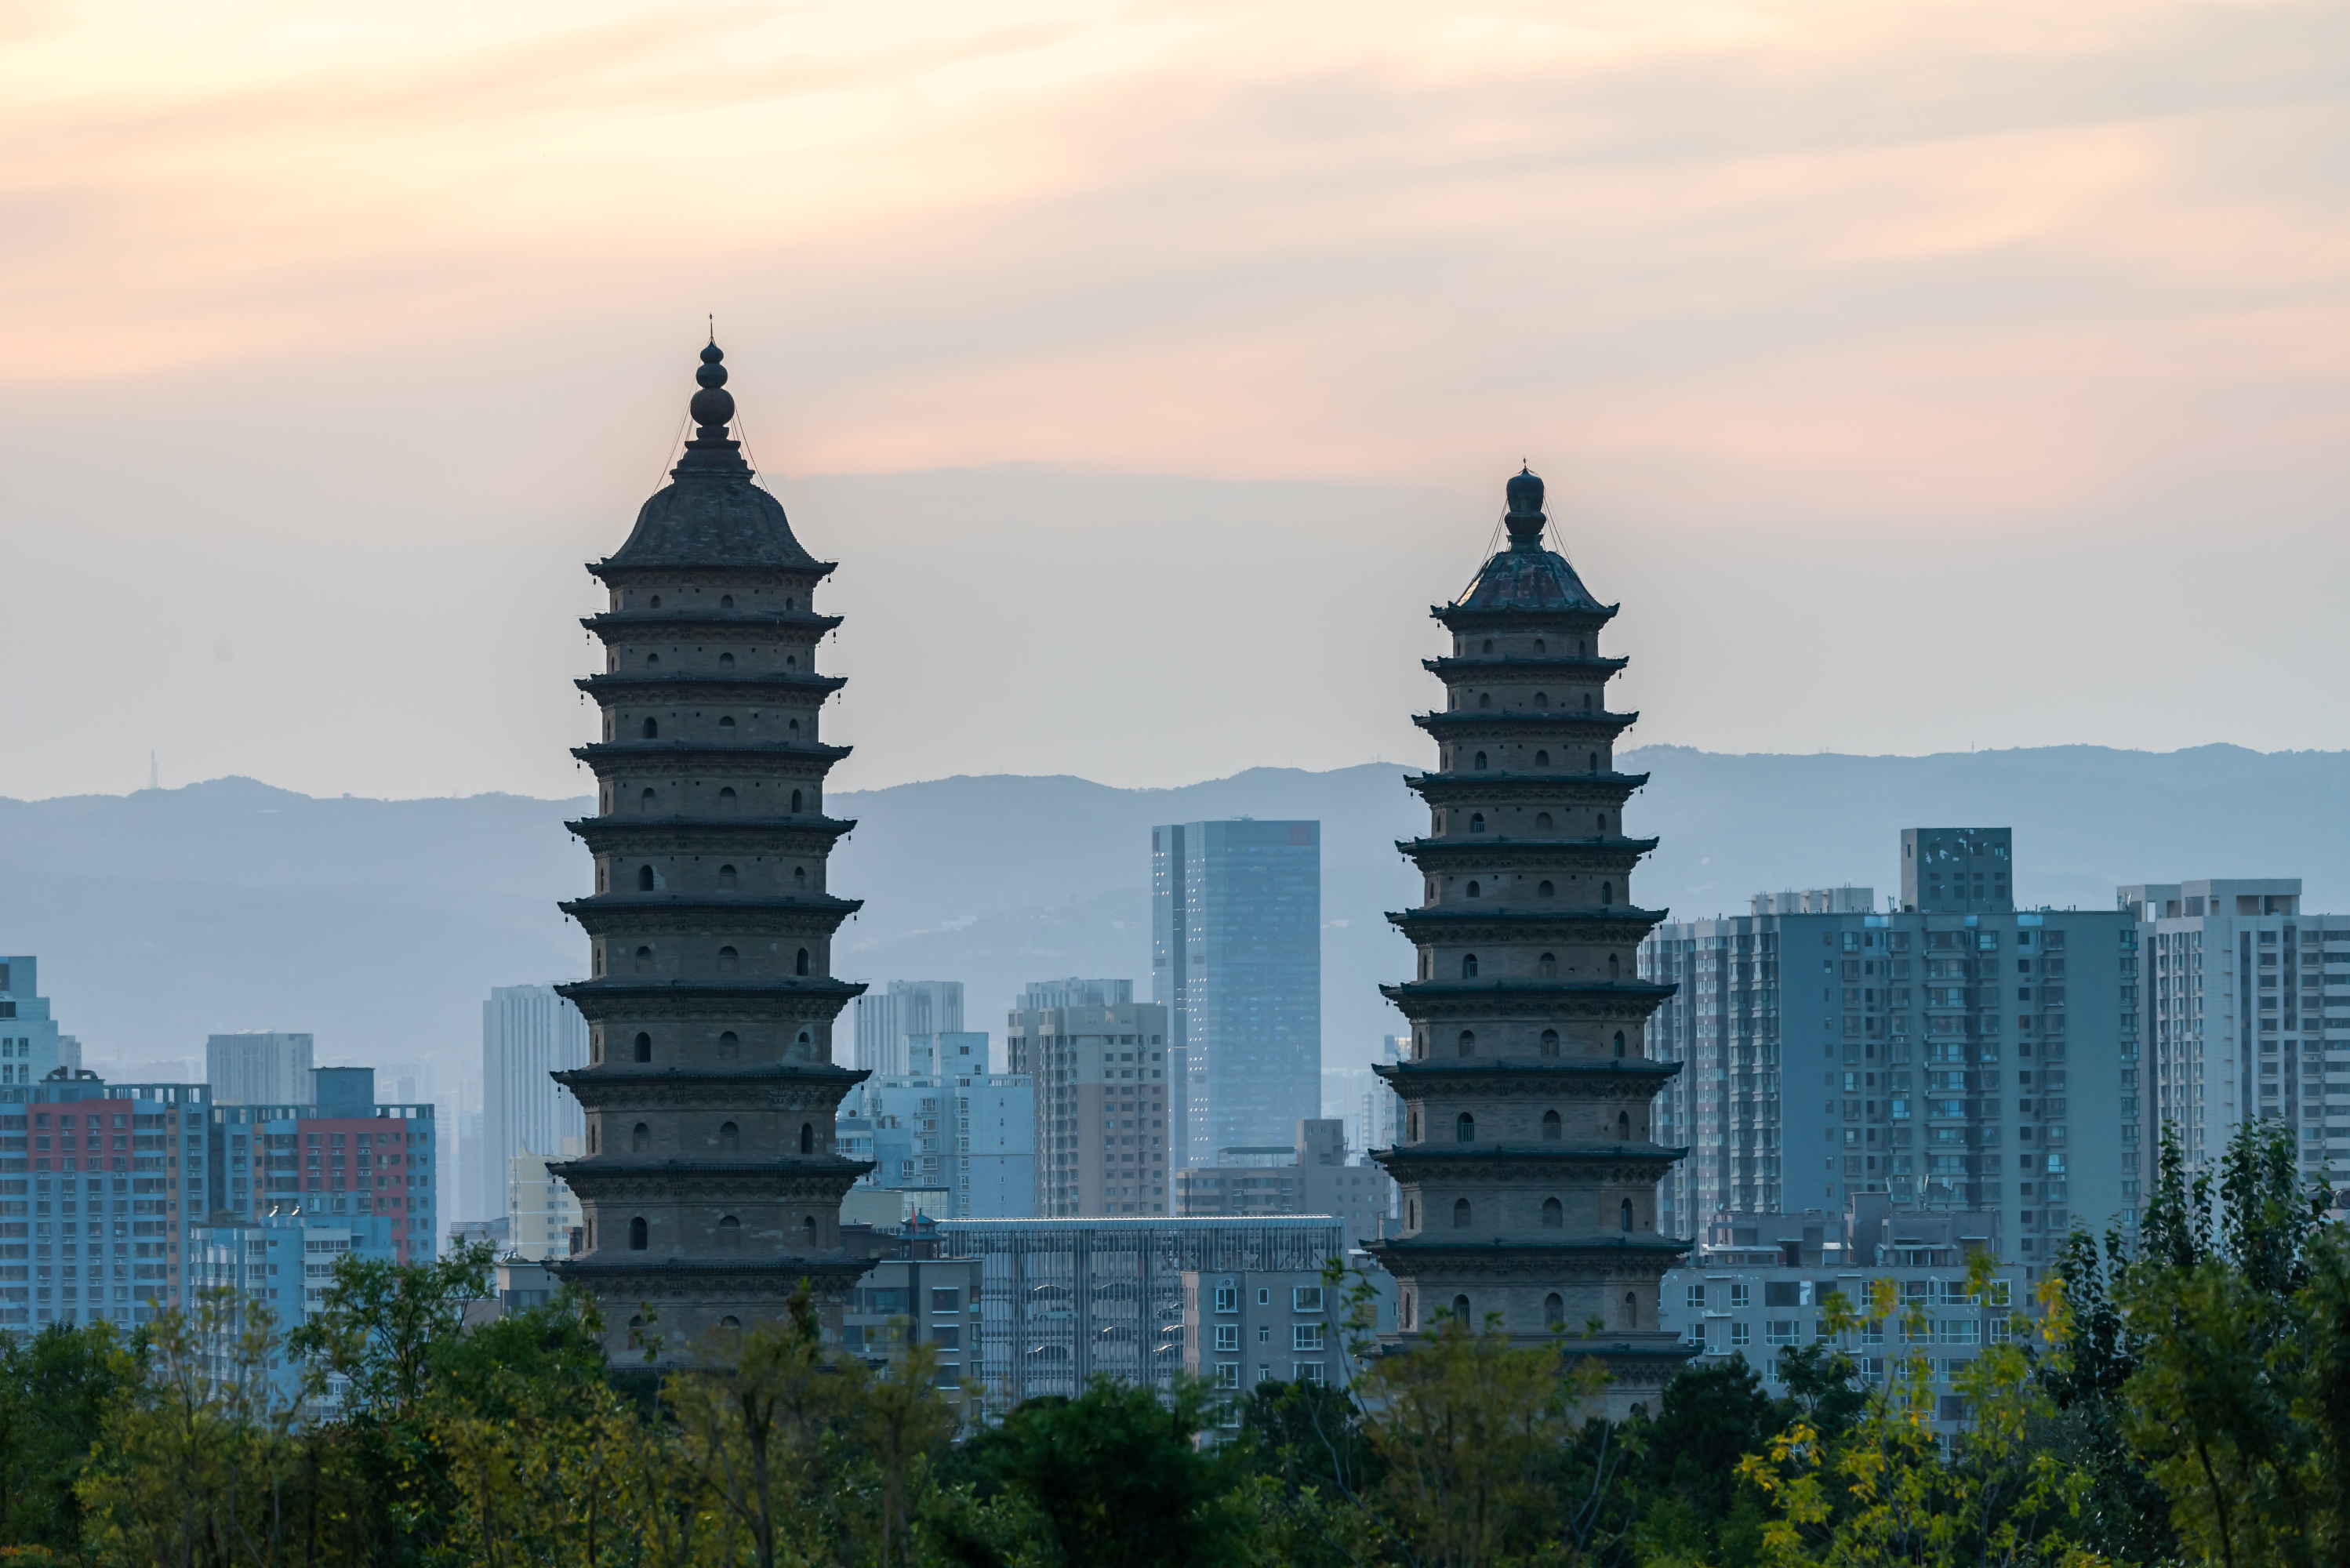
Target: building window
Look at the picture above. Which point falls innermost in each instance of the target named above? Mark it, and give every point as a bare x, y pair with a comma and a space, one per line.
1469, 966
726, 879
644, 879
1468, 1042
807, 1138
730, 1137
653, 731
796, 803
800, 964
1623, 1127
730, 1045
1473, 890
1547, 966
640, 1139
1625, 1214
639, 1234
644, 961
726, 727
1464, 1128
1480, 762
1553, 1215
1620, 1042
1546, 891
1550, 1042
1554, 1311
1551, 1126
1460, 1213
729, 960
644, 1047
730, 1232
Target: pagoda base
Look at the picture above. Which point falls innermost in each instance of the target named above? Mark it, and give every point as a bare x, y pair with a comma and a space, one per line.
669, 1313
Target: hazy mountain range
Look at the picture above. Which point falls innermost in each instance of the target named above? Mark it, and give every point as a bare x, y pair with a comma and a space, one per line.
163, 916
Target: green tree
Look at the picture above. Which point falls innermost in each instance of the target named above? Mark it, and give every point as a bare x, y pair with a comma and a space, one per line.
2235, 1313
56, 1389
1114, 1475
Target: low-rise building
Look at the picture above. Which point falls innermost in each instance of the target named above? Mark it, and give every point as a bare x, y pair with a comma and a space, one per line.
1759, 1286
913, 1295
1315, 1176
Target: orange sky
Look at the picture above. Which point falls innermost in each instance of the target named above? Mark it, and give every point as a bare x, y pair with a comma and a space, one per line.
335, 338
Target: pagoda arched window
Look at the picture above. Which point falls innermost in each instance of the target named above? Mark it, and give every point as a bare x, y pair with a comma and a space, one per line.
1542, 699
1547, 966
652, 661
1586, 702
1538, 645
640, 1139
1411, 1129
796, 803
1552, 1127
1461, 1214
644, 961
1594, 763
1476, 822
644, 1047
725, 662
1542, 759
1473, 890
644, 879
730, 1045
1489, 644
1546, 891
726, 726
1541, 820
807, 1138
800, 878
1461, 1308
730, 1322
1620, 1042
1607, 893
728, 961
649, 802
1554, 1214
1468, 966
796, 732
1624, 1215
726, 879
640, 1238
1615, 967
726, 798
1485, 699
807, 1232
730, 1137
1464, 1128
1623, 1127
652, 729
1554, 1311
726, 601
1631, 1310
800, 964
1468, 1042
730, 1232
1550, 1042
1479, 763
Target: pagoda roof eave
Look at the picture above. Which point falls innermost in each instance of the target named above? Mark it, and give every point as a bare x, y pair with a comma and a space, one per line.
1444, 780
1513, 718
1634, 990
1520, 664
623, 680
774, 1072
1531, 1154
687, 618
611, 569
1396, 1073
594, 827
819, 988
633, 751
1438, 919
1458, 615
1447, 849
823, 904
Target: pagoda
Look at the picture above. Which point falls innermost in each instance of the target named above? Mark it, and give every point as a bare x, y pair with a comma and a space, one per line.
710, 1184
1526, 1170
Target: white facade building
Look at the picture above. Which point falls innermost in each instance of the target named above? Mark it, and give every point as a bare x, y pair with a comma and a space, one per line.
541, 1214
2249, 1000
528, 1033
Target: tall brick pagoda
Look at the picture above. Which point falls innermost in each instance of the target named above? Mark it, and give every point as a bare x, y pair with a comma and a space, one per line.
1527, 1173
710, 1184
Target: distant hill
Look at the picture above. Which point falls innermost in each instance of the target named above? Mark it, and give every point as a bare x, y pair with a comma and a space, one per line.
163, 916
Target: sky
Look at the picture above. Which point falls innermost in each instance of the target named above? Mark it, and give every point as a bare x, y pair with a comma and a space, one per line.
1919, 377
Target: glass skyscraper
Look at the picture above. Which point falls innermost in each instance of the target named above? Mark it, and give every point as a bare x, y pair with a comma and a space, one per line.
1236, 959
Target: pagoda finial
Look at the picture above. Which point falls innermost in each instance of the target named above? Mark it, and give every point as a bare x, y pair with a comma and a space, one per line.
1526, 518
713, 406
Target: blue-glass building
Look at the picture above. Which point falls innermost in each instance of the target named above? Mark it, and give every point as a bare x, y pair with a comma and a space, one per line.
1236, 959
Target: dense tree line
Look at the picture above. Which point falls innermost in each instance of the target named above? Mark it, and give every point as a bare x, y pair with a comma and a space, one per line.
2185, 1400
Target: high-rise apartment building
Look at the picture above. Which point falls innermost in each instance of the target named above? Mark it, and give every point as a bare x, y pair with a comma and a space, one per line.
101, 1182
30, 1046
887, 1018
1236, 960
1958, 870
1985, 1059
1076, 991
2237, 987
965, 1133
259, 1067
1104, 1113
339, 1156
541, 1214
528, 1033
1315, 1176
